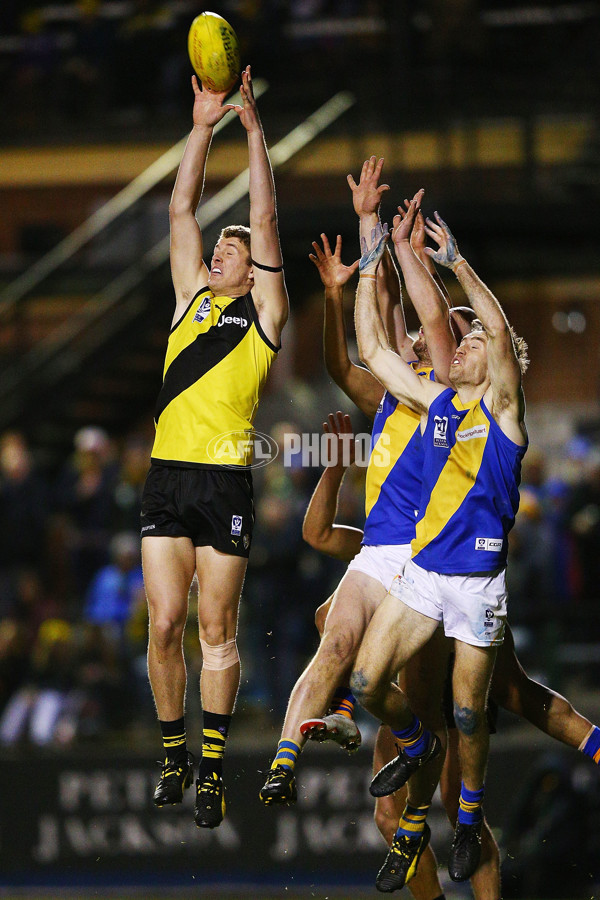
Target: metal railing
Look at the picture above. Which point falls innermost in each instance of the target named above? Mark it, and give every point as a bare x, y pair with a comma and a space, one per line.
64, 351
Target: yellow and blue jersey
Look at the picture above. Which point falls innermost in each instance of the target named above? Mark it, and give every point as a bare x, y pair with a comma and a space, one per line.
216, 364
470, 494
393, 480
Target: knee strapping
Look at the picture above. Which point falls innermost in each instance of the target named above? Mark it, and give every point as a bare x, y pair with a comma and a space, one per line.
219, 656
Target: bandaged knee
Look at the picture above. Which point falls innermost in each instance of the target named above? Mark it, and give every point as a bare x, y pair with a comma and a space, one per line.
219, 656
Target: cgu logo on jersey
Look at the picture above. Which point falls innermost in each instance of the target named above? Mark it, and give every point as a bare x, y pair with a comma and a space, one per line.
440, 431
203, 310
491, 545
233, 320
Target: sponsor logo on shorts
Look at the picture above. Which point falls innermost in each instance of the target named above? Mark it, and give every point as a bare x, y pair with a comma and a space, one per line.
440, 431
477, 431
236, 525
246, 541
493, 545
148, 528
203, 310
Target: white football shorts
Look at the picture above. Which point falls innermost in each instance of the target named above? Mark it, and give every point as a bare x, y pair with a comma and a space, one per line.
471, 607
381, 561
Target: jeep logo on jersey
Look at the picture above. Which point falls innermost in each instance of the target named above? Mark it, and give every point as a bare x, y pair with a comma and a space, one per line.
242, 448
233, 320
203, 310
440, 429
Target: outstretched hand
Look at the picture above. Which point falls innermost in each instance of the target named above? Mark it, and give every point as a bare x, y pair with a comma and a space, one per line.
447, 253
373, 250
340, 424
405, 220
208, 105
366, 195
248, 113
332, 270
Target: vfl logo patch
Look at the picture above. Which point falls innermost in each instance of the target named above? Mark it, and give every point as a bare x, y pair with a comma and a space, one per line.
440, 431
203, 310
236, 525
477, 431
492, 545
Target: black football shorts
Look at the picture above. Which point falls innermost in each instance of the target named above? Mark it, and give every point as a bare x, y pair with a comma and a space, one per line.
213, 507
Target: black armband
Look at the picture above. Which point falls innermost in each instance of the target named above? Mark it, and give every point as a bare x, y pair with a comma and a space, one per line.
267, 268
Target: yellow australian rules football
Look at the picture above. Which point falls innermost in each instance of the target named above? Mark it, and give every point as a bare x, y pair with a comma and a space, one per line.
214, 51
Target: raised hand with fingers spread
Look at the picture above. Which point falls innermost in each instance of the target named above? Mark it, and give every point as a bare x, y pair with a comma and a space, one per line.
447, 253
331, 269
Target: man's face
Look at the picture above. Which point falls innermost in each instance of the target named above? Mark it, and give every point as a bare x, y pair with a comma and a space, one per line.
420, 348
469, 365
230, 266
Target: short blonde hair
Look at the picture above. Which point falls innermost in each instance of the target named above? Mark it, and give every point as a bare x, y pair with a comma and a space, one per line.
519, 344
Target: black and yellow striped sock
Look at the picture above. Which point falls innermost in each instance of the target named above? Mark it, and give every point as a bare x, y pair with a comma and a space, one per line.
214, 737
174, 739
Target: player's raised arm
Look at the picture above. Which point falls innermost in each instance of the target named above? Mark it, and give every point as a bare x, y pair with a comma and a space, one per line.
269, 291
428, 301
319, 528
366, 200
506, 354
188, 270
357, 382
373, 346
418, 241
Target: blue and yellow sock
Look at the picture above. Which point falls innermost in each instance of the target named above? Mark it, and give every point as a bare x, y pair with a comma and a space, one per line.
414, 739
287, 754
469, 805
343, 702
590, 745
412, 823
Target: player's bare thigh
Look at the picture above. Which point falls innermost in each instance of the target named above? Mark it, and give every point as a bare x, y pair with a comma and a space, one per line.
395, 633
168, 564
220, 581
355, 600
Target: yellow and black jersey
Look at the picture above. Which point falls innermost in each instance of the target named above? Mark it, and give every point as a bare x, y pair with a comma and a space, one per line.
216, 364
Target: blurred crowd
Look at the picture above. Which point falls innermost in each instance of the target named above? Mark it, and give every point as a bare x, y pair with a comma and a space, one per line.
73, 618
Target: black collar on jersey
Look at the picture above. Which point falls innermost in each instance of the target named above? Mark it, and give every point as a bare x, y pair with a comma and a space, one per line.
267, 268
